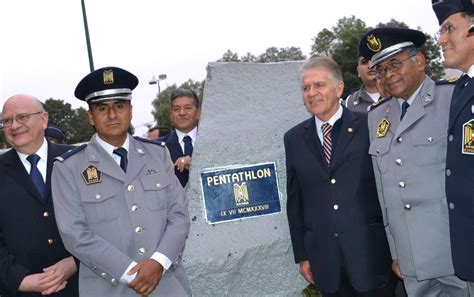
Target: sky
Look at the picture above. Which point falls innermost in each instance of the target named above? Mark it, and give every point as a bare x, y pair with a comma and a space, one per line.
44, 51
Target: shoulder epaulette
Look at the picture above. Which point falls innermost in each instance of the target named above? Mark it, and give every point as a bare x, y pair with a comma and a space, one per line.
378, 103
448, 81
161, 143
70, 153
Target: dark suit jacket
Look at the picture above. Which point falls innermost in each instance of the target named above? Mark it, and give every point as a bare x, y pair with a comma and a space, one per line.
176, 152
333, 212
459, 182
27, 225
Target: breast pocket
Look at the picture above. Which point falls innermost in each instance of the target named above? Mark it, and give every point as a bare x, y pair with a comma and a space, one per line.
379, 148
429, 149
100, 205
156, 188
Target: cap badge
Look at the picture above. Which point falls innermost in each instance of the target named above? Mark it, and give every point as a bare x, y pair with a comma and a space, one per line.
108, 76
91, 175
373, 43
382, 128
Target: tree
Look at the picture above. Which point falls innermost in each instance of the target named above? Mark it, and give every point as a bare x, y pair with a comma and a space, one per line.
272, 54
161, 106
74, 123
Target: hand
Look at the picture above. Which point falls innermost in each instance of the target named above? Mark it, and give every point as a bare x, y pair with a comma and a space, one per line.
396, 269
62, 271
305, 271
183, 163
148, 276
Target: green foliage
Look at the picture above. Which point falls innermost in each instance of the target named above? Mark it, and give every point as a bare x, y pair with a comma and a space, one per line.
161, 106
74, 122
272, 54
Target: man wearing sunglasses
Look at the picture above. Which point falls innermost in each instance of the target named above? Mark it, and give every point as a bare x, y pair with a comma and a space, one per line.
408, 133
456, 38
33, 260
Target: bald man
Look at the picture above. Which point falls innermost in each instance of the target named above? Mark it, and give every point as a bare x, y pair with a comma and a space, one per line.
33, 260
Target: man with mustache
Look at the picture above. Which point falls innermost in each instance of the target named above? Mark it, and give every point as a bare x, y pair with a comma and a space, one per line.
408, 148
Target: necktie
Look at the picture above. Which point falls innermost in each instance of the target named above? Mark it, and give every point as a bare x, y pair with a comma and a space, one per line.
405, 106
188, 146
123, 157
35, 174
327, 143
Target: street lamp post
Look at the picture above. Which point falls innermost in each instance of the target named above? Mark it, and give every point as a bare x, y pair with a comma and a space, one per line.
154, 81
86, 29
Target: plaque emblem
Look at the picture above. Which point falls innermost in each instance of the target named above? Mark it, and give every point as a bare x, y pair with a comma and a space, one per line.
91, 175
108, 75
373, 43
468, 138
241, 194
382, 128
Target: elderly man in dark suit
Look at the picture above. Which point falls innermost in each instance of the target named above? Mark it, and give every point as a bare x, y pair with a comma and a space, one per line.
334, 217
33, 260
185, 114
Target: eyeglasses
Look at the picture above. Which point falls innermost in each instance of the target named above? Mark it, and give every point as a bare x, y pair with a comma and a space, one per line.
448, 28
393, 65
20, 119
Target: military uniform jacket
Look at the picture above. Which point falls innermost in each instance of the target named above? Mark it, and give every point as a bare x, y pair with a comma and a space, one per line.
29, 237
409, 165
359, 100
108, 218
333, 212
460, 181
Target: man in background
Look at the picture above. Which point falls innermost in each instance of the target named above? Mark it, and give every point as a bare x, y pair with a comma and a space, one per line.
33, 260
185, 114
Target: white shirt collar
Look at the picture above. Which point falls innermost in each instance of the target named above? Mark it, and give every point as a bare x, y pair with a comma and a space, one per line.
110, 148
192, 134
331, 121
42, 152
470, 71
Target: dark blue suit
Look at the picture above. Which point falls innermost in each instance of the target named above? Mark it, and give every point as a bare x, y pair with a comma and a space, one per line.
27, 226
333, 212
460, 181
176, 152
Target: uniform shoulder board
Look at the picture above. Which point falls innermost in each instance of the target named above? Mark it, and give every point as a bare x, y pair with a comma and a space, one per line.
448, 81
378, 103
161, 143
70, 153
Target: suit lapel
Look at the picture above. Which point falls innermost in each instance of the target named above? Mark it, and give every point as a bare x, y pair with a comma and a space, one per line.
349, 126
312, 141
463, 99
19, 175
174, 147
136, 162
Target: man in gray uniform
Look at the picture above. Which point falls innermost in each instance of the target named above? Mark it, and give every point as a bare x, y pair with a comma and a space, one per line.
408, 148
120, 209
368, 93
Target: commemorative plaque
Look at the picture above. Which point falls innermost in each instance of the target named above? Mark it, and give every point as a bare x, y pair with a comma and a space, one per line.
237, 192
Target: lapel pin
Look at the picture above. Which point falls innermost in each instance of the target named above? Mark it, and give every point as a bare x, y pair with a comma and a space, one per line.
349, 130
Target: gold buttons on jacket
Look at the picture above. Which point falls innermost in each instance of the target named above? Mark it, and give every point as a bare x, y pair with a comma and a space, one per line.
50, 241
45, 214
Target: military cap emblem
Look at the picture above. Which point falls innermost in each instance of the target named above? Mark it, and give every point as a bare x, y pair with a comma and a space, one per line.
91, 175
108, 75
373, 43
382, 128
241, 194
468, 139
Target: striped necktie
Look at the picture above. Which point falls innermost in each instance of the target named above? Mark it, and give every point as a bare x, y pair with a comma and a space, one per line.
327, 143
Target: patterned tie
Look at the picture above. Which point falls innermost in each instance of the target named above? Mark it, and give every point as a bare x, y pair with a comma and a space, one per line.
188, 146
327, 143
35, 174
405, 106
123, 157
